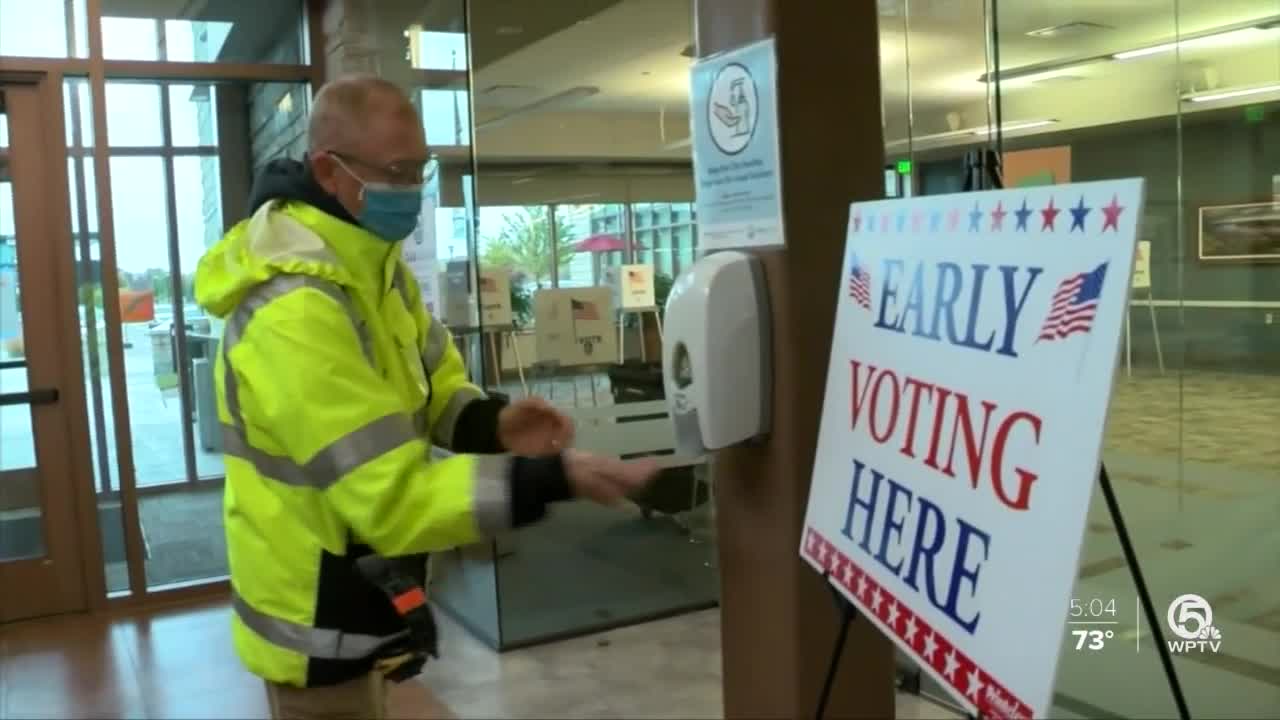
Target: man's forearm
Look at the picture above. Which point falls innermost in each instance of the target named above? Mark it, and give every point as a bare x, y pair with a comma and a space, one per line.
476, 431
535, 482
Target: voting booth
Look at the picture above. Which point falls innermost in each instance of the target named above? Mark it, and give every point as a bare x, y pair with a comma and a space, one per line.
1142, 287
574, 328
633, 296
975, 346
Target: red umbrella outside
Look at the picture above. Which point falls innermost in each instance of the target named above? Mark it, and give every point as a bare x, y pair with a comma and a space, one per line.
601, 242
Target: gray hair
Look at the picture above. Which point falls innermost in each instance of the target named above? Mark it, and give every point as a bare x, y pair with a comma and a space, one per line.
343, 106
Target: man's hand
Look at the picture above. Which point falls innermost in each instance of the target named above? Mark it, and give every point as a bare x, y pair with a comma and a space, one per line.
533, 427
606, 480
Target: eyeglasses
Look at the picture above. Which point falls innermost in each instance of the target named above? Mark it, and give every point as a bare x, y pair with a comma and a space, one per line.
403, 172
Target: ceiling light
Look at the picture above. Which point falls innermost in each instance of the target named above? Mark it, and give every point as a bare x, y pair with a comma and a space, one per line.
1231, 37
1009, 127
1054, 79
1063, 29
1259, 29
1214, 95
1036, 73
1013, 126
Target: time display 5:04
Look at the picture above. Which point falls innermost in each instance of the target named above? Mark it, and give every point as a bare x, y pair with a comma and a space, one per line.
1093, 608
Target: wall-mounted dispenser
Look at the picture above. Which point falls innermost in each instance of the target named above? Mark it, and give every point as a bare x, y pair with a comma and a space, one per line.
716, 353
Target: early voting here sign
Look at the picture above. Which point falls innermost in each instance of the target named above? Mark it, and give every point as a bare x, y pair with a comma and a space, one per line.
975, 345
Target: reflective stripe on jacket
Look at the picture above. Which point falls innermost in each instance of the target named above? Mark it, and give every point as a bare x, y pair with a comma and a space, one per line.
332, 384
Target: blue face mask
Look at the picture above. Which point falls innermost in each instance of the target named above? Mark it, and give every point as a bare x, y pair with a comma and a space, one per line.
390, 211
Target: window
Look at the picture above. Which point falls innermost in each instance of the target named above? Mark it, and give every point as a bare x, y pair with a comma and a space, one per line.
170, 202
43, 29
228, 31
666, 236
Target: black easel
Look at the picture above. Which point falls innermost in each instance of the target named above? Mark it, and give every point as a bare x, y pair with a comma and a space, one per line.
982, 172
1140, 583
848, 613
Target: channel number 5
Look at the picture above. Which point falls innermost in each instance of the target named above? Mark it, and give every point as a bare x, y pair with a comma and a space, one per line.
1188, 609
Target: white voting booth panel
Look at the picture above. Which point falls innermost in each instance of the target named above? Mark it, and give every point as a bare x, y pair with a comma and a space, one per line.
634, 296
975, 346
1142, 281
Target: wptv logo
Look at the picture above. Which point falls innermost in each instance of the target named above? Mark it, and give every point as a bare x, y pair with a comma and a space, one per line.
1191, 619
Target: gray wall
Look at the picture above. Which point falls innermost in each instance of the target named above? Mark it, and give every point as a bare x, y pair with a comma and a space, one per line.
1224, 161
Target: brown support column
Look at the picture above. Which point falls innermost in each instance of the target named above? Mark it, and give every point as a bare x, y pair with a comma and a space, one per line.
235, 156
779, 620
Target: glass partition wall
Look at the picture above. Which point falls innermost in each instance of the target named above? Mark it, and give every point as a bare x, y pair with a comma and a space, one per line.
1185, 94
571, 175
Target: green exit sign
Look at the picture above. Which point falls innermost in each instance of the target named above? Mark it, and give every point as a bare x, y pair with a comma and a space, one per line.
904, 167
1255, 114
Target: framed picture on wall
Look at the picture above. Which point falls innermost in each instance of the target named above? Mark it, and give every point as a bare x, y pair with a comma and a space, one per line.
1240, 233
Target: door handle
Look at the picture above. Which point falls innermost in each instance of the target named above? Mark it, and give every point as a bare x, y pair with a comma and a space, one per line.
38, 396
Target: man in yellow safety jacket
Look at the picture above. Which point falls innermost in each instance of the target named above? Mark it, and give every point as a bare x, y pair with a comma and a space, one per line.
333, 383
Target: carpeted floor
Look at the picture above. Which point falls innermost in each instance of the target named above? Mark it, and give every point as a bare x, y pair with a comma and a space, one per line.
1229, 420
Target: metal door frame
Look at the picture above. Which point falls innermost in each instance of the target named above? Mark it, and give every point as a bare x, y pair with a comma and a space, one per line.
70, 574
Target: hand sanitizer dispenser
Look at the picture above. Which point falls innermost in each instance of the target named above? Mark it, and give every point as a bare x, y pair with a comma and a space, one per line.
715, 354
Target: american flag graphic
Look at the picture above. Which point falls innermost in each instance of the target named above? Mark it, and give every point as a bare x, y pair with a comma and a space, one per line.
583, 310
860, 284
1074, 305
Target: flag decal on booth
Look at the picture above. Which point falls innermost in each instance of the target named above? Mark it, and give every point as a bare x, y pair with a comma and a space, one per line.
583, 310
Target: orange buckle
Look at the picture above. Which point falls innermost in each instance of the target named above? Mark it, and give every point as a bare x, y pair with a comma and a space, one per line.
410, 600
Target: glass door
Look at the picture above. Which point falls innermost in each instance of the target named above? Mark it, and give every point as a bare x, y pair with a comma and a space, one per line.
40, 570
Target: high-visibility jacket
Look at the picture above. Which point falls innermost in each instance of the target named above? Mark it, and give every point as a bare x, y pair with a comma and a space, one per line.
333, 383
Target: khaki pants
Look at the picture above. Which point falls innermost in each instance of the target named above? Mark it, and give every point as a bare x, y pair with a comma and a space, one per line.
364, 698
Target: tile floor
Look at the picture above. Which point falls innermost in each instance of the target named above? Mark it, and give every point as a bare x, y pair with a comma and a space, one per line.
178, 663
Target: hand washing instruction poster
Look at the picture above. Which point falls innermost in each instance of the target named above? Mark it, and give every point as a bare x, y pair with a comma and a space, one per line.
975, 344
734, 132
